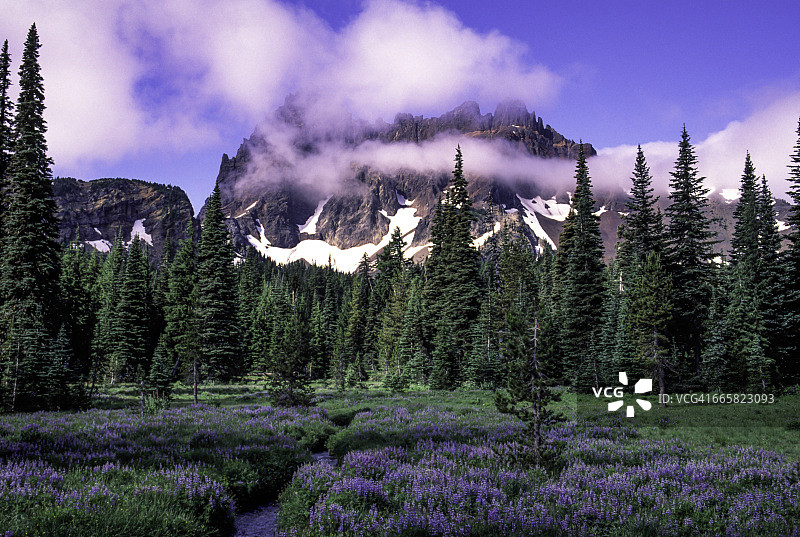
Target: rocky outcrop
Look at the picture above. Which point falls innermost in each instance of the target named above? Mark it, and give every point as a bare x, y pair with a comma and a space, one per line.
275, 208
96, 211
511, 121
268, 205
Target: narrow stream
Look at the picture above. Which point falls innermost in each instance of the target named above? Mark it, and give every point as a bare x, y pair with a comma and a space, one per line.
263, 521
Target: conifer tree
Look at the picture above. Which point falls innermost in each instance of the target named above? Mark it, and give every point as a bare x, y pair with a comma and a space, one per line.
161, 376
649, 311
750, 282
391, 330
30, 263
63, 384
108, 288
717, 366
583, 281
216, 296
642, 228
131, 326
745, 249
452, 290
30, 356
6, 131
690, 244
31, 258
772, 293
290, 380
79, 273
352, 354
794, 194
181, 338
528, 392
411, 350
791, 274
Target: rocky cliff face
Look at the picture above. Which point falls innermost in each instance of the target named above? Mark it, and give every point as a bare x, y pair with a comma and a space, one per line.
288, 217
96, 211
288, 213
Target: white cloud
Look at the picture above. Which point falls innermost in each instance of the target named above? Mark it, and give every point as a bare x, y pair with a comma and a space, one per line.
127, 76
769, 134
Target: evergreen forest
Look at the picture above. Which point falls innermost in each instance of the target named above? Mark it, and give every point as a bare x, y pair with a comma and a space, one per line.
74, 321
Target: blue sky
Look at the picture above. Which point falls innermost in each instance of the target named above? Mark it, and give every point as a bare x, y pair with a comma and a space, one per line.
159, 90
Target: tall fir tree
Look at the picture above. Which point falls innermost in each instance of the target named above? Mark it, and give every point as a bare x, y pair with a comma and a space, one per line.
583, 281
181, 338
131, 326
30, 264
104, 342
79, 272
748, 284
690, 242
452, 290
642, 228
216, 296
6, 131
290, 357
790, 319
745, 250
352, 355
772, 292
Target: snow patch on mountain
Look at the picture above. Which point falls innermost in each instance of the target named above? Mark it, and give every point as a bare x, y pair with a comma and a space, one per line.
549, 208
529, 217
310, 226
480, 241
138, 230
319, 252
101, 245
782, 225
599, 212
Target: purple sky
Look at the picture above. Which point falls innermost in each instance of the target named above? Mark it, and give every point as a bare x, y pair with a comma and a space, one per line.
159, 90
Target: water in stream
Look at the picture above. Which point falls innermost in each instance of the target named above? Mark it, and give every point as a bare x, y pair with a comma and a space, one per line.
263, 521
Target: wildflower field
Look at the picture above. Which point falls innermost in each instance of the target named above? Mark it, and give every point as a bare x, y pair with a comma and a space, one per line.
414, 464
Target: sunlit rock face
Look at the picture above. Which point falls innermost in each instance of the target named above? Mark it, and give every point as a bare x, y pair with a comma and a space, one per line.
96, 211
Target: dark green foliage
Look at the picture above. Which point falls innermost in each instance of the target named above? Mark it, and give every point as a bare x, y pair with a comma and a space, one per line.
290, 358
216, 296
108, 290
352, 355
80, 297
745, 250
452, 290
444, 359
752, 313
6, 131
689, 252
131, 326
161, 376
648, 313
581, 259
181, 327
528, 391
29, 254
794, 193
790, 316
64, 386
642, 229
